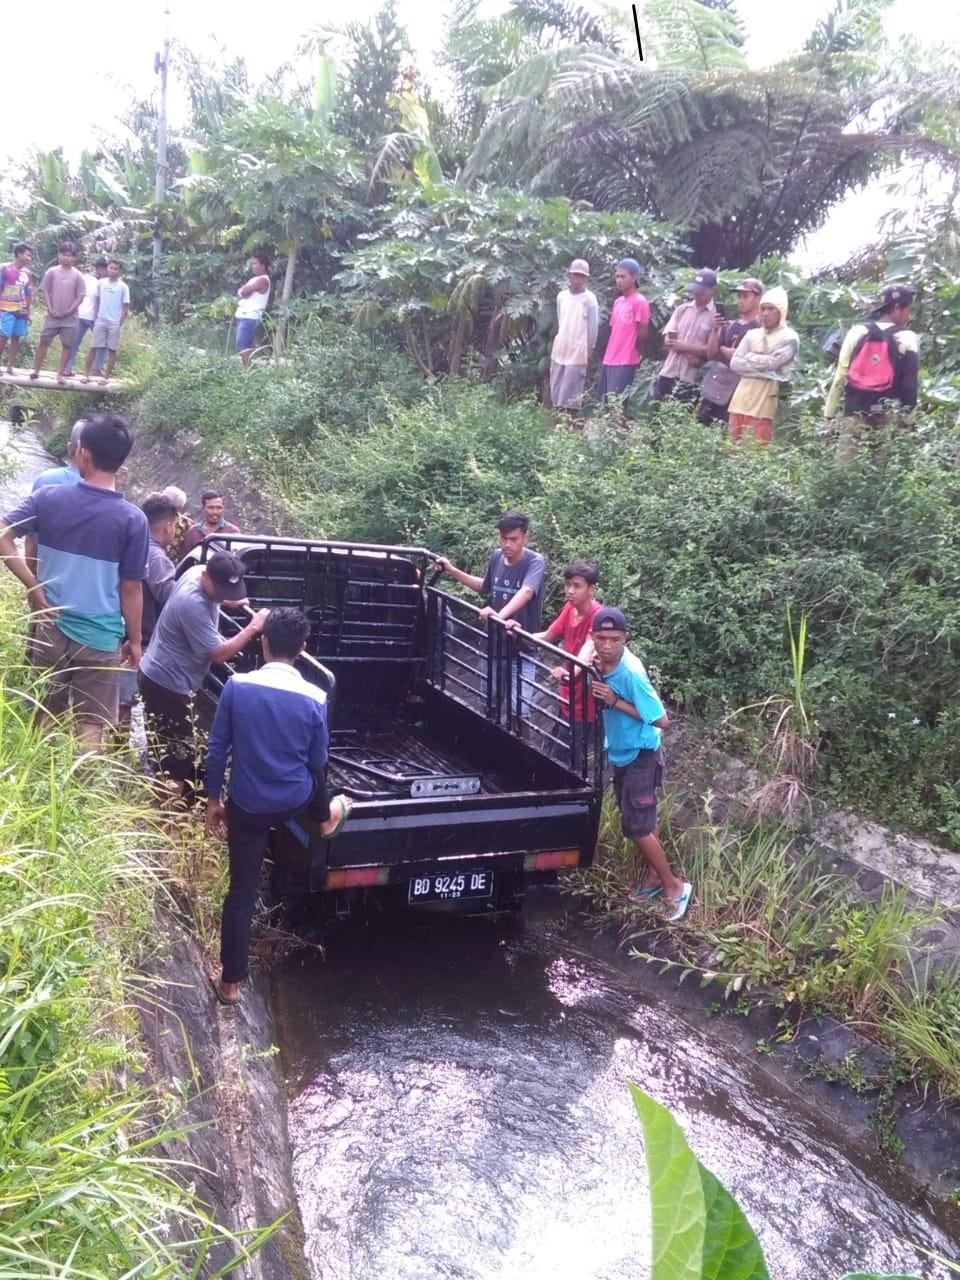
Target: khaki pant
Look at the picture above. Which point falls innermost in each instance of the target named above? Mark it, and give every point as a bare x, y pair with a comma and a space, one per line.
88, 680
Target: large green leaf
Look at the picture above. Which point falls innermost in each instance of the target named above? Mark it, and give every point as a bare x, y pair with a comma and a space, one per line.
699, 1231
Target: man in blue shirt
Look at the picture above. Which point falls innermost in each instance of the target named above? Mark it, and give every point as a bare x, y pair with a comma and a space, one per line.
86, 590
633, 717
272, 725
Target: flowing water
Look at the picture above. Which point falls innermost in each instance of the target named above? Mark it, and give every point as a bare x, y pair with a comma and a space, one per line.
458, 1109
22, 457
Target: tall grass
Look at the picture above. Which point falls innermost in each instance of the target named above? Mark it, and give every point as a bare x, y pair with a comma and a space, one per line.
84, 1191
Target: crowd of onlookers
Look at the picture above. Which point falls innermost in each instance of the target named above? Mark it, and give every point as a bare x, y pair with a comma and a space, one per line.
732, 370
76, 303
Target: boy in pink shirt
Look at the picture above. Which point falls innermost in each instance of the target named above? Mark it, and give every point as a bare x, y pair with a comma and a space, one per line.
629, 325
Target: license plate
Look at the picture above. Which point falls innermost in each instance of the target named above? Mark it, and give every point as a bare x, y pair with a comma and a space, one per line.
451, 886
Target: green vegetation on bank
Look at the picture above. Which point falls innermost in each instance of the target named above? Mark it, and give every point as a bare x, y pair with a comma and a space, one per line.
85, 1191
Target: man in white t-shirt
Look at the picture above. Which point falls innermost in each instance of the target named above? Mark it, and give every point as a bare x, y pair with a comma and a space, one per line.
85, 314
111, 308
578, 319
253, 298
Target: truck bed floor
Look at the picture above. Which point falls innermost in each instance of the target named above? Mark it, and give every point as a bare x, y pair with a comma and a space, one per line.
385, 763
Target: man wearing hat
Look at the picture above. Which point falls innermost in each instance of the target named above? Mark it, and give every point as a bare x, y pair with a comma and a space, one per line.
578, 319
720, 382
629, 326
185, 642
633, 717
878, 363
685, 336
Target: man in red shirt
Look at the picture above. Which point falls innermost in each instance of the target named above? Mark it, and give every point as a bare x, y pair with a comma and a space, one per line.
629, 325
571, 631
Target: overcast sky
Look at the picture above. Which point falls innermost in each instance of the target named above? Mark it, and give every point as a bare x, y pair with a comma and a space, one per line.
70, 92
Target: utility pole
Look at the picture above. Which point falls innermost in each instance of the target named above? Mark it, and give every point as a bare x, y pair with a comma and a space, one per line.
161, 62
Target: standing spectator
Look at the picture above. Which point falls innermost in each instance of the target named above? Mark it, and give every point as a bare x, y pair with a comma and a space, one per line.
271, 724
633, 717
578, 318
185, 641
92, 557
878, 363
685, 336
63, 290
629, 326
86, 312
514, 584
211, 522
179, 500
70, 472
253, 299
16, 293
161, 516
111, 308
720, 382
764, 359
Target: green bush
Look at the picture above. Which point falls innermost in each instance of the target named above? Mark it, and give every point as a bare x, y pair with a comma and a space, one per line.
329, 377
705, 546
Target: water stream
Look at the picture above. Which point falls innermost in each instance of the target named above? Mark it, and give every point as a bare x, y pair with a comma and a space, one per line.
458, 1109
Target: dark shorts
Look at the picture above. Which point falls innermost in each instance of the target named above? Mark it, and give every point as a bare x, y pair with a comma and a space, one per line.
635, 787
62, 327
674, 389
709, 412
614, 379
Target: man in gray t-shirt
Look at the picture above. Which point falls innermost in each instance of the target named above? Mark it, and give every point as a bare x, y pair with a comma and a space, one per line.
514, 583
63, 288
185, 641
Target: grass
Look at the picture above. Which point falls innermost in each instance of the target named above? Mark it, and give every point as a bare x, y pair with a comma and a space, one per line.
84, 1191
768, 920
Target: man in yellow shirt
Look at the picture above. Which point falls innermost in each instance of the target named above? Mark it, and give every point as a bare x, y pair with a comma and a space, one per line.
764, 360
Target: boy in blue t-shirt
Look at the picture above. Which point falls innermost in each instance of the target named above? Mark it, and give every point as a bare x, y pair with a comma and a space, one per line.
633, 716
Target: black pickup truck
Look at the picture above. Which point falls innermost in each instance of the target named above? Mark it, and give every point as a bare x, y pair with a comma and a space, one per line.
470, 780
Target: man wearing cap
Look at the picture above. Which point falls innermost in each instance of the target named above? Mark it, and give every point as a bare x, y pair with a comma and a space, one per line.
685, 336
184, 643
720, 382
863, 404
629, 326
764, 360
633, 717
578, 318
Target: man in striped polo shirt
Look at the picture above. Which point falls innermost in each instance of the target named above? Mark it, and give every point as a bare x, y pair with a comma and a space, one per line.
86, 591
272, 725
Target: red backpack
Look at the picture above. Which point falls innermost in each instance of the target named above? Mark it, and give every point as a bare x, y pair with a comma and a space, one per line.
875, 360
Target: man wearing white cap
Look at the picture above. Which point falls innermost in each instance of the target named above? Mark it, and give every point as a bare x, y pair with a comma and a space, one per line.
578, 320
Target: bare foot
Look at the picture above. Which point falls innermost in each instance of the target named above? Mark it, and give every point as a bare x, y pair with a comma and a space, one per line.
35, 375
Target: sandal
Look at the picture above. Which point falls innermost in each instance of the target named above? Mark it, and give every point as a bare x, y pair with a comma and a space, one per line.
679, 905
345, 806
645, 892
222, 999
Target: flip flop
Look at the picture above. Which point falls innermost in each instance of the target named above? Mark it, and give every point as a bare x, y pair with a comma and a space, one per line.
221, 998
679, 905
645, 893
345, 809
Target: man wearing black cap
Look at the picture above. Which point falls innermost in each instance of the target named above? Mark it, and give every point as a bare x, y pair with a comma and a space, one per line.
184, 644
633, 716
878, 363
685, 336
721, 381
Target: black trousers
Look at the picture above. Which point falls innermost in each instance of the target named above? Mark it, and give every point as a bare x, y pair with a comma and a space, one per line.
709, 412
247, 836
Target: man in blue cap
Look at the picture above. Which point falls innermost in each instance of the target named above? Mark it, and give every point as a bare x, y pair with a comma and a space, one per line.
633, 717
685, 336
629, 326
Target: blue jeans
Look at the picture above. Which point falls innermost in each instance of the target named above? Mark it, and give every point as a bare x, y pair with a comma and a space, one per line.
84, 327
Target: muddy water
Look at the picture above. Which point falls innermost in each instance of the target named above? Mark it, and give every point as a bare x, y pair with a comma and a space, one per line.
22, 457
458, 1109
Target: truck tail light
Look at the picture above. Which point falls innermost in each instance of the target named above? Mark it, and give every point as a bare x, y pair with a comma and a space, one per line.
348, 877
548, 861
